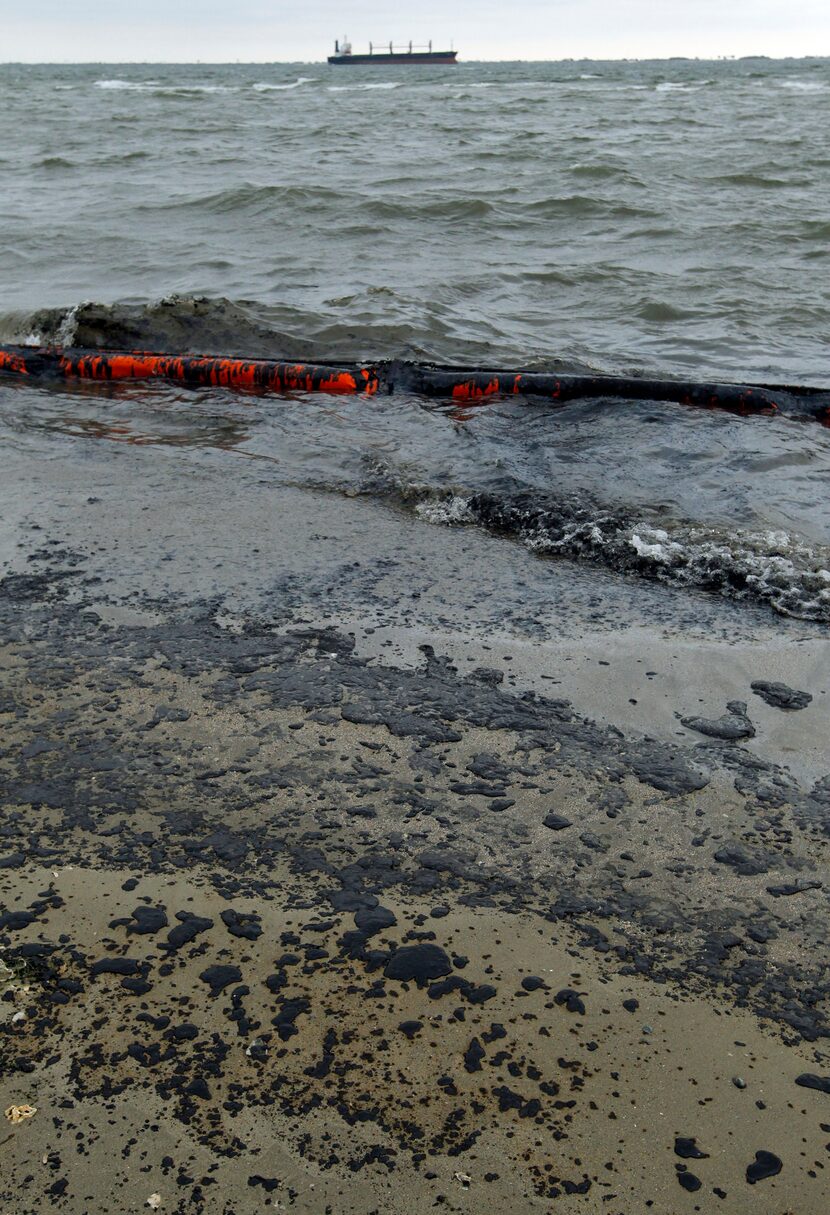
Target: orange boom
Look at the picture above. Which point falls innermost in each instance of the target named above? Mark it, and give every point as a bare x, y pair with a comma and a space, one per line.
255, 375
463, 385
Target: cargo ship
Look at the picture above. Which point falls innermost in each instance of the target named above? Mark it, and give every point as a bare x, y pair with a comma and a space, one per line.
387, 53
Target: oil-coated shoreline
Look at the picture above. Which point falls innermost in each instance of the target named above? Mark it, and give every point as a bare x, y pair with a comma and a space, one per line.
303, 913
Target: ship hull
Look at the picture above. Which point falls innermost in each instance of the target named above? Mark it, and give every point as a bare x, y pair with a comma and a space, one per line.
383, 60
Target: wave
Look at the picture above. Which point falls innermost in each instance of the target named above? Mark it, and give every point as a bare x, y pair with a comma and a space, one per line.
55, 162
359, 88
772, 568
758, 181
600, 172
438, 208
654, 310
118, 84
163, 88
372, 322
115, 158
577, 205
803, 86
676, 86
175, 323
814, 229
123, 158
250, 198
265, 87
184, 90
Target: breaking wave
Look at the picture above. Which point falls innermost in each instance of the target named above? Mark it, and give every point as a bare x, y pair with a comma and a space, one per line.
803, 86
365, 88
265, 87
772, 567
169, 88
174, 323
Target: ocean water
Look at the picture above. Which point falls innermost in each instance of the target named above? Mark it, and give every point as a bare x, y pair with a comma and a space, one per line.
658, 218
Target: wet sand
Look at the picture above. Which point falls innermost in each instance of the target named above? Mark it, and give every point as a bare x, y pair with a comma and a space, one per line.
339, 872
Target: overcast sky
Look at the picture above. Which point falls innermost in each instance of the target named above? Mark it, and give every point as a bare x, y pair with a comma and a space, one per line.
291, 30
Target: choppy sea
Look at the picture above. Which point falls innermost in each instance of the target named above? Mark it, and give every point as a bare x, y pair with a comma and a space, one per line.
657, 218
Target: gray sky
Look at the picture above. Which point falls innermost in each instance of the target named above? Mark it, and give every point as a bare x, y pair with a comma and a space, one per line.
268, 30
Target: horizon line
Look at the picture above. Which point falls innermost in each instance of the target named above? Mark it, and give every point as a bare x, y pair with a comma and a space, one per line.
324, 63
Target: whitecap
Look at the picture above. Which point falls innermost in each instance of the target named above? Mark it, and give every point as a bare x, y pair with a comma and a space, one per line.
67, 330
358, 88
198, 88
803, 86
117, 84
674, 86
265, 87
158, 86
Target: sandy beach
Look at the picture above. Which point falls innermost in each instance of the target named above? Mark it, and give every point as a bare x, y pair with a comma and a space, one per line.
429, 876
